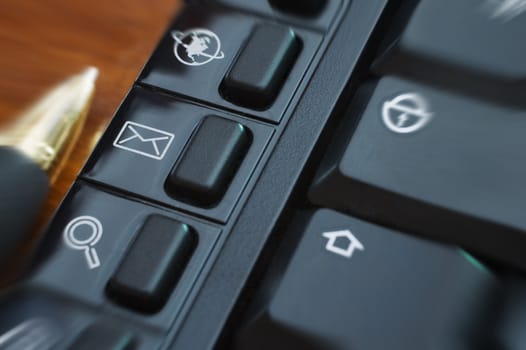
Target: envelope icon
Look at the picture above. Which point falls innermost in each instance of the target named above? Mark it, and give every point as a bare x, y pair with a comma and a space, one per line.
143, 140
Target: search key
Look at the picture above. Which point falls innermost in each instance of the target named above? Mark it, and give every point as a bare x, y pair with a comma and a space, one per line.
86, 242
93, 236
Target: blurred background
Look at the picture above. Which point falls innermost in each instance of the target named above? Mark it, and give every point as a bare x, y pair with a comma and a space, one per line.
44, 42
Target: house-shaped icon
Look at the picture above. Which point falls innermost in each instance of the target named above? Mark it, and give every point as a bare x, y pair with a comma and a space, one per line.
347, 249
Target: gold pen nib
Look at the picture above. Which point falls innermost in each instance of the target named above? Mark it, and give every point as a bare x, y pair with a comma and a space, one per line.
44, 132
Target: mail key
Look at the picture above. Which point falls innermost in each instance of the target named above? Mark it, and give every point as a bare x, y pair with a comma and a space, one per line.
207, 159
211, 159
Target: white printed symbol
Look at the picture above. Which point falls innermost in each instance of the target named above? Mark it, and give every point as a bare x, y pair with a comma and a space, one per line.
197, 46
143, 140
73, 231
406, 113
506, 9
351, 243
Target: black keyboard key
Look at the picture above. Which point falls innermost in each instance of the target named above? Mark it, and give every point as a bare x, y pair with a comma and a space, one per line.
205, 41
471, 44
103, 337
302, 8
210, 161
355, 285
259, 71
153, 264
509, 324
314, 14
436, 164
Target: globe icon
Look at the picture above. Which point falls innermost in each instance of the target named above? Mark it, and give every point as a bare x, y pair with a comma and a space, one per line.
196, 47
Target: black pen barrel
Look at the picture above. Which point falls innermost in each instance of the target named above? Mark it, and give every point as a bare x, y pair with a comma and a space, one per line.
23, 189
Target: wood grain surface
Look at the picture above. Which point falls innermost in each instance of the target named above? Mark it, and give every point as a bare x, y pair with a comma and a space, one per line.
43, 42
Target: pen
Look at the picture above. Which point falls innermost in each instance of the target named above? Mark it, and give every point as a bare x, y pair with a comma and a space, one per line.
31, 152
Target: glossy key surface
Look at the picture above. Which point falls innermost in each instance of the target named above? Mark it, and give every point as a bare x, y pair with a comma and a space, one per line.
262, 66
205, 170
352, 285
103, 337
153, 264
433, 163
470, 46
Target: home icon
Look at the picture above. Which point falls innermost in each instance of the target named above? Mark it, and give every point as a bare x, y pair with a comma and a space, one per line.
343, 243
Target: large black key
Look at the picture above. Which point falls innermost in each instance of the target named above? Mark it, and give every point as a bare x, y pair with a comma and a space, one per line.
436, 164
473, 45
357, 286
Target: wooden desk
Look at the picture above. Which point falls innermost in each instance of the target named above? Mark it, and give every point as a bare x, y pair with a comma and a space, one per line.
43, 42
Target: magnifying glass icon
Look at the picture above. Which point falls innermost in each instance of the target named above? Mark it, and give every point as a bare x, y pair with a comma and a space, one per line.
76, 238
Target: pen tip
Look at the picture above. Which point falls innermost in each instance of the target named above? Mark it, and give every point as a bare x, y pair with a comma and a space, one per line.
46, 131
90, 74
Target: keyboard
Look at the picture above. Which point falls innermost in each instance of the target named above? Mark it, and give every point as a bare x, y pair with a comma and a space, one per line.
324, 174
